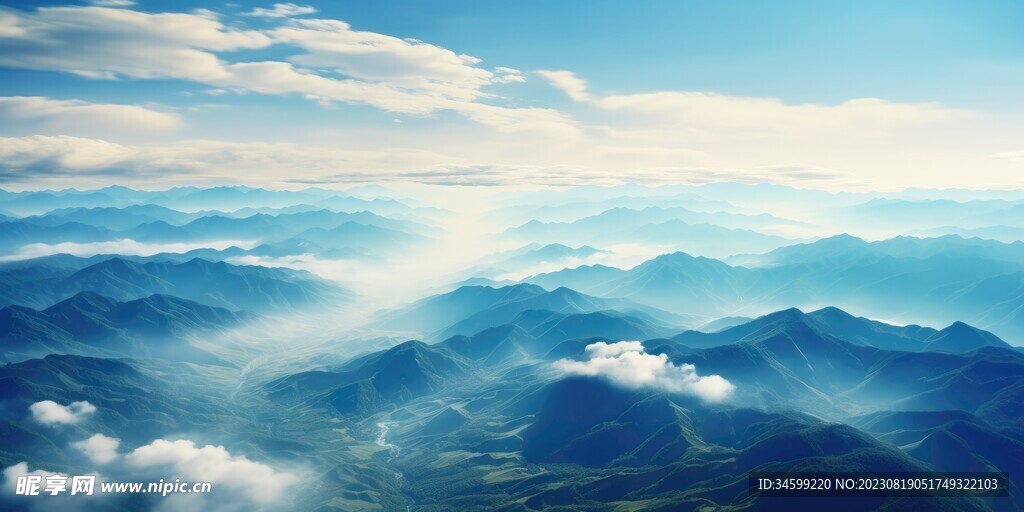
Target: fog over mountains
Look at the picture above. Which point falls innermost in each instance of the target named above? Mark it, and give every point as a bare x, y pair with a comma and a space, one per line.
588, 348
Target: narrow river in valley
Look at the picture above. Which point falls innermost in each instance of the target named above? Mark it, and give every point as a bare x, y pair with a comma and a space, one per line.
393, 450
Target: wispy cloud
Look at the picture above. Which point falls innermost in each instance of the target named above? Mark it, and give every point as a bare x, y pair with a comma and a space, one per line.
1009, 155
285, 10
124, 246
391, 73
563, 176
705, 111
598, 137
66, 158
112, 3
41, 115
568, 82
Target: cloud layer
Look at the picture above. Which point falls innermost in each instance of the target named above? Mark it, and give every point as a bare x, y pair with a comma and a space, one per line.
393, 74
74, 116
125, 246
593, 137
237, 476
67, 158
626, 364
237, 482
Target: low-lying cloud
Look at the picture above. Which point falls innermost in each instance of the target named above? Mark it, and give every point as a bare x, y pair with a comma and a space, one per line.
238, 483
46, 503
244, 479
49, 412
99, 448
626, 364
125, 246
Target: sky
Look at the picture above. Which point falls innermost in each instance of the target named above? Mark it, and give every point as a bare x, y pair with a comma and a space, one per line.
829, 95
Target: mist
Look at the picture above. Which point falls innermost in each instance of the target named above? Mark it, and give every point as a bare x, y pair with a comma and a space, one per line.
124, 246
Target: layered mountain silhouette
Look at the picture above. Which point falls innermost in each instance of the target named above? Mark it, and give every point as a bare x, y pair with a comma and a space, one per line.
326, 229
249, 288
364, 385
790, 358
933, 281
687, 453
157, 326
531, 258
137, 401
471, 309
694, 231
844, 354
535, 333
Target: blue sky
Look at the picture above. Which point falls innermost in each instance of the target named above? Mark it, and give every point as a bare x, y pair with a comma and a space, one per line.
803, 51
820, 94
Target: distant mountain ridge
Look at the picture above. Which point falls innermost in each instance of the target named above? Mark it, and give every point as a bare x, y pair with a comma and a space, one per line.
195, 199
936, 281
471, 309
695, 231
91, 324
789, 357
250, 288
406, 371
368, 232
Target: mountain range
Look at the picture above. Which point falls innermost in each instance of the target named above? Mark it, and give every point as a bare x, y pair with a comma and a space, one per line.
673, 227
157, 326
814, 392
470, 309
325, 229
220, 284
926, 281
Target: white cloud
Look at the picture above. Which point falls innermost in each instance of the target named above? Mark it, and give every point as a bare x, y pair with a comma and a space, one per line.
694, 136
112, 3
1009, 155
49, 412
46, 503
62, 158
379, 58
390, 73
39, 114
885, 143
508, 75
286, 10
99, 448
245, 481
238, 483
125, 246
710, 111
565, 176
11, 473
626, 364
568, 82
90, 41
703, 111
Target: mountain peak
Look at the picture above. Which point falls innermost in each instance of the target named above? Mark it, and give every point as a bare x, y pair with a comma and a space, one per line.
786, 314
86, 300
959, 337
844, 239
